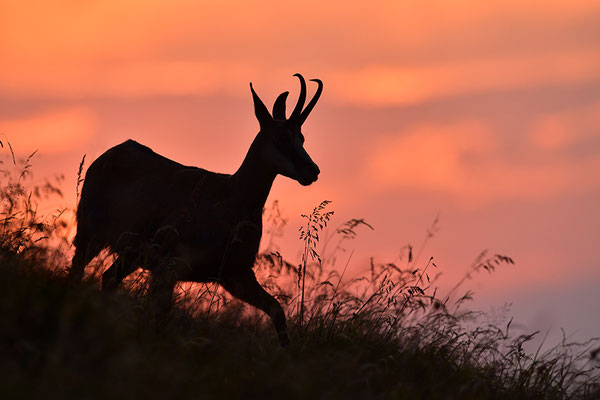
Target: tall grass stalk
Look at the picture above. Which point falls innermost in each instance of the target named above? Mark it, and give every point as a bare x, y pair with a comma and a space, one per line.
309, 234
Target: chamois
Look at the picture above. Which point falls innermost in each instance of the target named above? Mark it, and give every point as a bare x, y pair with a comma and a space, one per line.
185, 223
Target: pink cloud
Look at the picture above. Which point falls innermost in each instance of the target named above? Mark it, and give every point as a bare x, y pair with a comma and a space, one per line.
386, 85
559, 130
54, 131
468, 162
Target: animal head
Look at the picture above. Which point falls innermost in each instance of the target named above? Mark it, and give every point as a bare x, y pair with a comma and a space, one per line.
281, 140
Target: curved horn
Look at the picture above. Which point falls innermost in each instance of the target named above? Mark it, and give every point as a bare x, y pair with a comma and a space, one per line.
279, 106
313, 101
261, 112
301, 99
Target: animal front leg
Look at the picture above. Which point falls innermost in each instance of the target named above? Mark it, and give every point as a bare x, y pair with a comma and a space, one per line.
245, 287
85, 251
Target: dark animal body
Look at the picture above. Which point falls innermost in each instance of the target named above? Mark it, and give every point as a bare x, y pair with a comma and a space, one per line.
149, 193
185, 223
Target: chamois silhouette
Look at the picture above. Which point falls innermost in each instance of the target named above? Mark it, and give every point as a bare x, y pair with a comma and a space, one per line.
185, 223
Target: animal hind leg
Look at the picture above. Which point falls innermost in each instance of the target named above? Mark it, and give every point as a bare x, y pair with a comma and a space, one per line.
245, 287
162, 284
120, 268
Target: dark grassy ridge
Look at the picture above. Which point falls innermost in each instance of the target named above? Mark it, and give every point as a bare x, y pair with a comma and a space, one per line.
385, 335
59, 341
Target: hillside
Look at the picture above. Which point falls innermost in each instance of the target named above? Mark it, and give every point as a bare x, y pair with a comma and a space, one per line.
386, 335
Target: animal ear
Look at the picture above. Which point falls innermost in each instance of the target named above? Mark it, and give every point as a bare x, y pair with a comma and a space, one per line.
279, 106
261, 112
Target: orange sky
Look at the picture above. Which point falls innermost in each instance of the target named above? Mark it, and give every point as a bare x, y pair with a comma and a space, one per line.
487, 113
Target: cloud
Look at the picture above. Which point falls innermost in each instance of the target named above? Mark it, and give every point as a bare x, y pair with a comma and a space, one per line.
389, 85
391, 53
168, 78
52, 131
373, 85
467, 161
563, 130
428, 156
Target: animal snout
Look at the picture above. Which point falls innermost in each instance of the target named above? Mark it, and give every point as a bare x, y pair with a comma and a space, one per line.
309, 174
316, 171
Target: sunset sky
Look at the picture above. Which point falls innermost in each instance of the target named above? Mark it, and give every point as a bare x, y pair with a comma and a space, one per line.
484, 113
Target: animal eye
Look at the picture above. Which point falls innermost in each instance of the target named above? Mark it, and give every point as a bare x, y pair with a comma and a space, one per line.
284, 136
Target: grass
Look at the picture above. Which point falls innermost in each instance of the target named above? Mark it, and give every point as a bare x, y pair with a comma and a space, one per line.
387, 334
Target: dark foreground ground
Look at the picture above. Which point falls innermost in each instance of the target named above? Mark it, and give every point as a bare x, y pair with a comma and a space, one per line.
62, 341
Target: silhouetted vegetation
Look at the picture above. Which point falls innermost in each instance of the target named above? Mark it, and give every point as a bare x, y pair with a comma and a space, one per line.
387, 334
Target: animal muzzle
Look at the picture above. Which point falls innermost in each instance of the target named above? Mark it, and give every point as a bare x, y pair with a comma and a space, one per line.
308, 174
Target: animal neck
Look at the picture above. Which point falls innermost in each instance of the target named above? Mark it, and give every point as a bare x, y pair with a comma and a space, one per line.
253, 181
